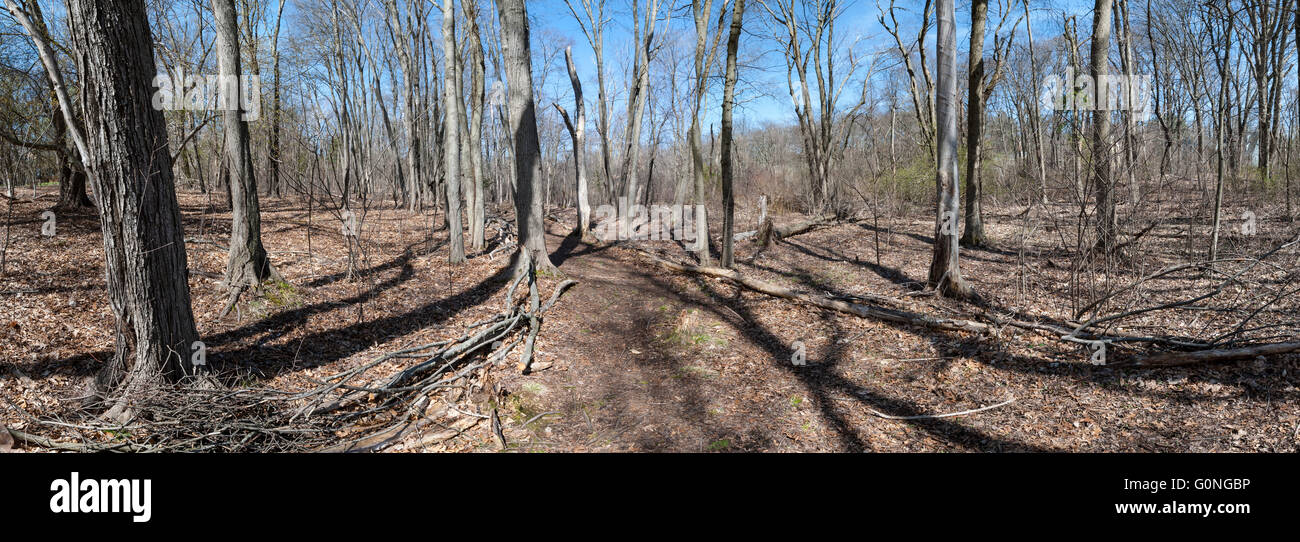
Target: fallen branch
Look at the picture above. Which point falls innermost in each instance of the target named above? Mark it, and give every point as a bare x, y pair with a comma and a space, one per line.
1176, 359
937, 416
769, 232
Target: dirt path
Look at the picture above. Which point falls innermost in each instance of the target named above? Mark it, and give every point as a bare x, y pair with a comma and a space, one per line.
634, 366
644, 360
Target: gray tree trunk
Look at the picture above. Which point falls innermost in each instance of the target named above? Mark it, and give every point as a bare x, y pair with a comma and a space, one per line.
577, 130
523, 116
451, 134
477, 218
130, 167
1101, 161
974, 234
247, 264
729, 103
945, 273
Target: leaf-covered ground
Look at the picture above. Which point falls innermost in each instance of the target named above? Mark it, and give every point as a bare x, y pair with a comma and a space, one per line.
638, 358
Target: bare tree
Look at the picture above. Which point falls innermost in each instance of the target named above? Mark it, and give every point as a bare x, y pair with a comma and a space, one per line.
644, 38
125, 152
1101, 150
247, 264
593, 27
945, 272
451, 137
477, 218
577, 130
729, 103
517, 57
980, 86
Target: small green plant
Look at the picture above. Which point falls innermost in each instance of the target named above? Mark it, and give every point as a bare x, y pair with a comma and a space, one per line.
796, 401
718, 445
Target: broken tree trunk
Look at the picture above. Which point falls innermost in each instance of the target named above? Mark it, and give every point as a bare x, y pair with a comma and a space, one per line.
769, 232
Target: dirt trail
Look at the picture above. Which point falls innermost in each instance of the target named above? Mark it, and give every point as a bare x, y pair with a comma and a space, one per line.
636, 364
640, 359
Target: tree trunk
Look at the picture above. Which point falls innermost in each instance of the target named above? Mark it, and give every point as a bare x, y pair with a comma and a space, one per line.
729, 103
577, 129
273, 149
945, 273
523, 115
974, 234
129, 164
1100, 66
247, 265
477, 220
451, 135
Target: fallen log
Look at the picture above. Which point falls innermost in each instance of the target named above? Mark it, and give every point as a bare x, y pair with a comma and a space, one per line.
769, 231
1177, 359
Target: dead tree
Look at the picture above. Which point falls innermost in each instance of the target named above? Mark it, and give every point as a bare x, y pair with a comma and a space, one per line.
593, 27
577, 131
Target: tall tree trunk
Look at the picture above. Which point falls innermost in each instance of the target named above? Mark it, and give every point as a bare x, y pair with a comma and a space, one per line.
701, 11
517, 55
247, 264
577, 130
451, 135
1101, 162
72, 180
974, 234
729, 103
273, 149
128, 161
1035, 119
477, 220
945, 272
1222, 121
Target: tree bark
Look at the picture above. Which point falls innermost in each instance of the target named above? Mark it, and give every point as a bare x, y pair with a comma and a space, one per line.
1101, 162
974, 233
451, 134
945, 272
517, 55
729, 103
247, 264
577, 130
130, 166
477, 210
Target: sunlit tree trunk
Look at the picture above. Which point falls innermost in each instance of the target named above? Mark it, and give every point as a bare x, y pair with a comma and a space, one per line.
945, 273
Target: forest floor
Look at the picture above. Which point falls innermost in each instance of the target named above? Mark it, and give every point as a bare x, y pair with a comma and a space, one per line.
639, 358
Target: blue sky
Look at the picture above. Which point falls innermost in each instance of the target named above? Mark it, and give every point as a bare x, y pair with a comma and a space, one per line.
764, 100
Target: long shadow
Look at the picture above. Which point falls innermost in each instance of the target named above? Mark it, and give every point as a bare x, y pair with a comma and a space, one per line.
571, 242
328, 346
890, 274
401, 261
822, 380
